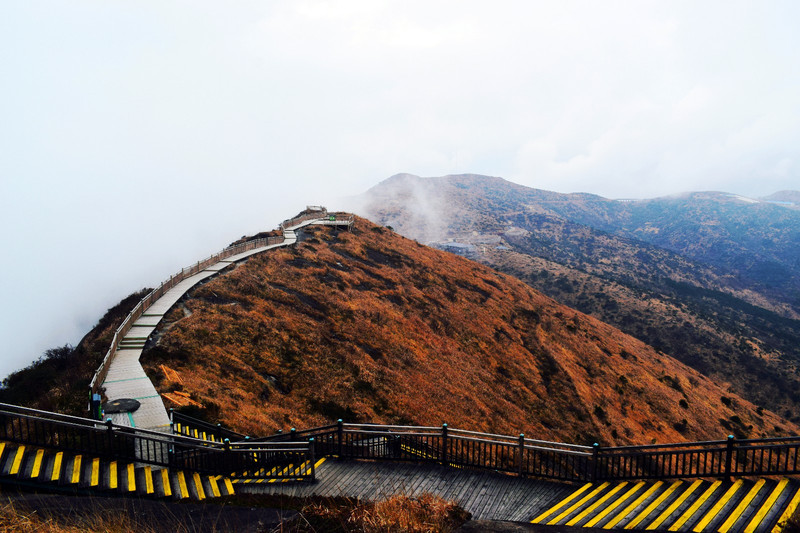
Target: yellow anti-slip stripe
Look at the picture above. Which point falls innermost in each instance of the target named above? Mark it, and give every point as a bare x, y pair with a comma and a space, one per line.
95, 477
674, 506
766, 506
282, 473
56, 474
148, 479
737, 512
577, 504
17, 461
37, 463
76, 469
561, 504
214, 487
182, 485
304, 468
586, 512
112, 475
788, 513
229, 486
198, 486
131, 478
653, 505
712, 513
694, 507
611, 508
636, 503
165, 482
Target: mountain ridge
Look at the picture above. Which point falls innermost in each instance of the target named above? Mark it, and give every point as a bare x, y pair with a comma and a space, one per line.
718, 318
370, 326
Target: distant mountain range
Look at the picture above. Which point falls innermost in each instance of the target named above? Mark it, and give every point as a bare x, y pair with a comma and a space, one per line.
710, 278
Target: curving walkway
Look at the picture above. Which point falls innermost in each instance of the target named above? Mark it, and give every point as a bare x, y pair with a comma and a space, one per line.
126, 377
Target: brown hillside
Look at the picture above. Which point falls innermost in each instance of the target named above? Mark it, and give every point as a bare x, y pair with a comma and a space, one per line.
371, 326
704, 277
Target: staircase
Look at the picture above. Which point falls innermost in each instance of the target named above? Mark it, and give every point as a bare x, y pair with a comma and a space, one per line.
743, 506
47, 469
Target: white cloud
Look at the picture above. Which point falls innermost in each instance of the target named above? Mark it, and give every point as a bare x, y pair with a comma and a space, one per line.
140, 137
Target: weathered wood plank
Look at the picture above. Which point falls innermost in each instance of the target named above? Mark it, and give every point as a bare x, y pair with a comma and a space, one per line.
485, 494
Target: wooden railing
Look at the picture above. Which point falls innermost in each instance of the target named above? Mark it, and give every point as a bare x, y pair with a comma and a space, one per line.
291, 455
267, 460
313, 212
552, 460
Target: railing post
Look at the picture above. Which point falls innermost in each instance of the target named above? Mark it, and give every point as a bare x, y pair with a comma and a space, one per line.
227, 462
110, 426
729, 456
313, 460
444, 444
219, 431
171, 420
340, 436
520, 454
595, 461
292, 433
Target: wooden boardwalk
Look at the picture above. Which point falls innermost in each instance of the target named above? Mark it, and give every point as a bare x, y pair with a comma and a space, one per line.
126, 377
487, 495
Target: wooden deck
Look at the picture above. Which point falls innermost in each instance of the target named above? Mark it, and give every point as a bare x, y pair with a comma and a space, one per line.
487, 495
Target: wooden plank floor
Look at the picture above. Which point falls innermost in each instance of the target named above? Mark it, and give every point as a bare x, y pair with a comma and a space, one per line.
487, 495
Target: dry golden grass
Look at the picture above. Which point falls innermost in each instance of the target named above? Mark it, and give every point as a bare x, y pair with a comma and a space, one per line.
15, 519
423, 514
370, 326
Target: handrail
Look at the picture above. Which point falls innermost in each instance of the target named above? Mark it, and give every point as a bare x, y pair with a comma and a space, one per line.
122, 443
450, 447
314, 212
555, 460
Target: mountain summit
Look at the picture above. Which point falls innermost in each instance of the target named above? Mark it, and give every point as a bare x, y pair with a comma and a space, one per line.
371, 326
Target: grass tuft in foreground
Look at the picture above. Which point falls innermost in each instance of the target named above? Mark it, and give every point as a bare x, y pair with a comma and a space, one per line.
423, 514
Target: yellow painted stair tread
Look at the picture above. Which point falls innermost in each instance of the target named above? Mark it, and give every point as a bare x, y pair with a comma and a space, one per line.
688, 513
766, 506
737, 512
577, 504
37, 464
561, 504
611, 508
633, 505
674, 506
641, 517
589, 510
18, 455
712, 513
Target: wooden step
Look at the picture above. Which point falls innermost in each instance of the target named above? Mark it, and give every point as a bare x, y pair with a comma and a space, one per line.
51, 468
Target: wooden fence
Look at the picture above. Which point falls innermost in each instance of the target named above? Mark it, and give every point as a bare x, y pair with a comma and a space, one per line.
259, 460
552, 460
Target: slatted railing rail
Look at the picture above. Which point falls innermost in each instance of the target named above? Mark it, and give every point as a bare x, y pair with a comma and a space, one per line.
122, 443
314, 212
552, 460
725, 458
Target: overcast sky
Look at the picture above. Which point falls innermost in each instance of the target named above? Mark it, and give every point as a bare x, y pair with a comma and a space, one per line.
138, 137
